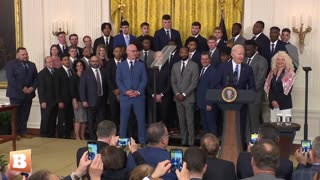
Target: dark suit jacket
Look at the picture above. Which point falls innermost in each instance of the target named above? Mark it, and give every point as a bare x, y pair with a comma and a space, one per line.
174, 58
46, 89
215, 58
79, 53
244, 168
246, 79
109, 46
281, 46
120, 41
240, 40
161, 39
62, 85
202, 44
196, 57
221, 43
163, 81
219, 169
88, 86
263, 43
62, 52
18, 79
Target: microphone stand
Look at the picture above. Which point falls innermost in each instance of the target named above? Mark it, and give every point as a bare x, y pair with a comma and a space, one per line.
155, 71
306, 69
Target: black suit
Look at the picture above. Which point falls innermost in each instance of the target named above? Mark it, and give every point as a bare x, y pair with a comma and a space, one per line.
244, 168
201, 45
99, 41
46, 93
112, 85
163, 86
221, 44
219, 169
161, 39
276, 93
215, 58
63, 52
173, 58
263, 43
196, 57
63, 95
280, 46
79, 52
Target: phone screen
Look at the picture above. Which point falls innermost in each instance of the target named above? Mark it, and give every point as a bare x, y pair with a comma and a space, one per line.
176, 156
92, 150
254, 138
123, 142
306, 145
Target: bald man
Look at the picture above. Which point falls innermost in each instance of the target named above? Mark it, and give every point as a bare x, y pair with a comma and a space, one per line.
239, 75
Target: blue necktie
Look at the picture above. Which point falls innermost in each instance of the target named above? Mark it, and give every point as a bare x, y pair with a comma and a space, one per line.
236, 71
127, 40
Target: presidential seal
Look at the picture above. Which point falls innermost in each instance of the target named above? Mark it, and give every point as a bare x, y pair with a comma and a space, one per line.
229, 94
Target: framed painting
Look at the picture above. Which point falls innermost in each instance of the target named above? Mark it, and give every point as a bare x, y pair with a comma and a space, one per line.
10, 34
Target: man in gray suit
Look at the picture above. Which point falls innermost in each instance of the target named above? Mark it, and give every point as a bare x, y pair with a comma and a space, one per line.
237, 38
259, 66
292, 50
184, 80
265, 160
146, 54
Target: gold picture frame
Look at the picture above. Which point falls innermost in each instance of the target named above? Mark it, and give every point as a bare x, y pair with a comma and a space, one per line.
18, 31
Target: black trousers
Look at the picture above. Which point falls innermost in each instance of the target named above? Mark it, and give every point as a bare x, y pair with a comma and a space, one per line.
65, 120
23, 112
161, 111
49, 120
114, 109
95, 115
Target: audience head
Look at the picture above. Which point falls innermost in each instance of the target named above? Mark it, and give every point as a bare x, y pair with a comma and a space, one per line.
192, 43
106, 29
54, 50
225, 54
43, 175
141, 171
285, 35
237, 53
265, 156
22, 54
87, 52
113, 158
210, 144
236, 29
218, 32
125, 27
65, 61
105, 129
146, 42
61, 36
48, 61
73, 38
205, 59
316, 147
268, 131
166, 21
145, 28
78, 66
87, 41
117, 53
184, 53
250, 48
132, 51
195, 28
281, 60
73, 50
212, 42
196, 161
258, 27
157, 135
274, 33
101, 51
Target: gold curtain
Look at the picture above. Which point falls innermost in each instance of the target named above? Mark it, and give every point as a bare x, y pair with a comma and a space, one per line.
183, 13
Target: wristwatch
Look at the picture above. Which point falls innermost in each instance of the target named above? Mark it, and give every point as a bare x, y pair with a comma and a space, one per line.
74, 176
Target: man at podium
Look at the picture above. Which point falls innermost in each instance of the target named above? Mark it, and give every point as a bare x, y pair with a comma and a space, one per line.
239, 75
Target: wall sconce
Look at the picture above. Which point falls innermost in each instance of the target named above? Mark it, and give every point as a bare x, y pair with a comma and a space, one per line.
59, 26
301, 32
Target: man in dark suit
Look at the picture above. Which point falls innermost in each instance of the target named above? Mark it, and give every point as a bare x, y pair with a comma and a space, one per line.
106, 39
194, 54
124, 38
237, 38
213, 51
244, 168
259, 66
195, 32
217, 169
239, 75
219, 34
113, 89
144, 32
47, 99
162, 95
131, 78
146, 54
195, 161
275, 45
63, 48
74, 40
165, 34
63, 78
261, 39
184, 80
22, 78
86, 56
73, 54
207, 79
93, 93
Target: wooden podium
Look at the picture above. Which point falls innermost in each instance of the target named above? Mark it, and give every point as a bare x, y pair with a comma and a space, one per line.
231, 144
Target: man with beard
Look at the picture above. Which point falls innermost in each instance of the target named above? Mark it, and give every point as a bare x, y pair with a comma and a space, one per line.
237, 38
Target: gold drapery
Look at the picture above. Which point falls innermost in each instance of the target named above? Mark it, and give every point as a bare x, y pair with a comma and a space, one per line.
183, 13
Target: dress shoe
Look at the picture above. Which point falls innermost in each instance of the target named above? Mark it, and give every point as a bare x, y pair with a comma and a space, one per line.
28, 136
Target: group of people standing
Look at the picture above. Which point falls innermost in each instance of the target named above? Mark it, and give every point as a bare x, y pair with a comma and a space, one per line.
77, 87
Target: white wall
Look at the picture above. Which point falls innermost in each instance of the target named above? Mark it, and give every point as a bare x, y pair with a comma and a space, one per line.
85, 17
279, 13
